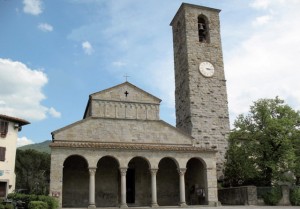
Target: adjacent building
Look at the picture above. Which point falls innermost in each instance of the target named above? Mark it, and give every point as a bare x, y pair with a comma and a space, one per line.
9, 128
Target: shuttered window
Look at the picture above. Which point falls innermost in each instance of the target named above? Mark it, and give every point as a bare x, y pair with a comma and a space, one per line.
3, 128
2, 153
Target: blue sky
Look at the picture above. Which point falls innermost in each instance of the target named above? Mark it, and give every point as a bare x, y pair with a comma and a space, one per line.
53, 54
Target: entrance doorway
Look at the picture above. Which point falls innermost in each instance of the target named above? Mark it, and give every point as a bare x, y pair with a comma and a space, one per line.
130, 185
3, 186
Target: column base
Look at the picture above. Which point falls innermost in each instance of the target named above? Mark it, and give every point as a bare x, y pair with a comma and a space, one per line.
92, 207
123, 206
154, 205
214, 204
182, 204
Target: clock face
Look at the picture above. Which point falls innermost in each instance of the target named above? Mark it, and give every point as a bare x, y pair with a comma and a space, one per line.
206, 69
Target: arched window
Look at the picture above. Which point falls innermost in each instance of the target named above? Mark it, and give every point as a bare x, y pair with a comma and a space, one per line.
202, 29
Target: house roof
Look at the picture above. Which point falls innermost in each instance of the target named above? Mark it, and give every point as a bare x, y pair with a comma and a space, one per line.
22, 122
128, 146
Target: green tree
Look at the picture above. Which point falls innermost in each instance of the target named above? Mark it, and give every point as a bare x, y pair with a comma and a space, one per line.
33, 171
263, 144
296, 143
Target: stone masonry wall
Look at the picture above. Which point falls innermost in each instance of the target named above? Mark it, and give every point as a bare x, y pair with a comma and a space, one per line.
201, 103
123, 157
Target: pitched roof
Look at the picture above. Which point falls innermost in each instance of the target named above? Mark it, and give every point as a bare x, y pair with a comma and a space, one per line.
157, 131
22, 122
105, 95
129, 84
128, 146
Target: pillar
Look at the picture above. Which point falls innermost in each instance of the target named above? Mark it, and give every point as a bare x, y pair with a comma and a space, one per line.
92, 188
153, 188
123, 172
181, 172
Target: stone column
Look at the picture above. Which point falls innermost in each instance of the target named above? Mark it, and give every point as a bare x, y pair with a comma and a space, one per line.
181, 172
123, 187
153, 188
92, 188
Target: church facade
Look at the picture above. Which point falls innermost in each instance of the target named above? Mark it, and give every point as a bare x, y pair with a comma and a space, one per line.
122, 155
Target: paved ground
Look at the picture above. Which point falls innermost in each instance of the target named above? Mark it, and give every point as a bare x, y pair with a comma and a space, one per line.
207, 207
259, 207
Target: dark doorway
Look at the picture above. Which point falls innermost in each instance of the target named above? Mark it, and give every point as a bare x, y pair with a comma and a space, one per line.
130, 185
3, 186
195, 182
75, 182
107, 182
138, 171
167, 183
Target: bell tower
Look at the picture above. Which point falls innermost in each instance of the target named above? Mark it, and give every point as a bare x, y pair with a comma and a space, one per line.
200, 85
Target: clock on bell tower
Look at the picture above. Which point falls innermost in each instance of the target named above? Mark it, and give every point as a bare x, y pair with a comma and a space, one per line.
200, 85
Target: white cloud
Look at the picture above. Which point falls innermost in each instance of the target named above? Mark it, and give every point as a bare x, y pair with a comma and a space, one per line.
119, 63
54, 113
21, 91
262, 20
266, 64
87, 47
33, 7
24, 141
260, 4
45, 27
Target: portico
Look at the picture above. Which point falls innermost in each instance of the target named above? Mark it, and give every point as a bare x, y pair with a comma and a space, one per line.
136, 179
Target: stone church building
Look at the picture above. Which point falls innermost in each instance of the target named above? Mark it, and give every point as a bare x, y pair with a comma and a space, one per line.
122, 155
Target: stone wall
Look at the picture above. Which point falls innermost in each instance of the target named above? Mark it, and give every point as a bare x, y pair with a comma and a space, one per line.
112, 109
166, 163
201, 102
238, 196
130, 131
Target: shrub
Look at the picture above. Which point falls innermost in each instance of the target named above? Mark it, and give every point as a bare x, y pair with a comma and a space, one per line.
37, 205
295, 196
273, 197
2, 206
9, 206
52, 203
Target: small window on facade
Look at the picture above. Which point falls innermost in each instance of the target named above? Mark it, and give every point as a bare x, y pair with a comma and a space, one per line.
202, 29
3, 128
2, 153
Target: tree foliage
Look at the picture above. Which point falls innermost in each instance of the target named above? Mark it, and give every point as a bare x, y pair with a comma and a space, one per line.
264, 145
33, 171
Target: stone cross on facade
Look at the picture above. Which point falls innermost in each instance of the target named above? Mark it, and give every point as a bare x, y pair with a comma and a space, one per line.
126, 93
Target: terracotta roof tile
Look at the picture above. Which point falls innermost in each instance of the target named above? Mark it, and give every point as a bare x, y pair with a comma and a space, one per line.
14, 119
123, 146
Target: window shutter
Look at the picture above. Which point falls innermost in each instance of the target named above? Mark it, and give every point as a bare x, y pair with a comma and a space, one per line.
2, 153
3, 128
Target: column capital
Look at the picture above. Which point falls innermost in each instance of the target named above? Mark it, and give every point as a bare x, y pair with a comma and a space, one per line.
181, 171
92, 170
153, 171
123, 171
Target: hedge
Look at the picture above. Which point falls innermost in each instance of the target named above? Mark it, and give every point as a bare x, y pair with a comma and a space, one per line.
52, 203
10, 206
273, 197
37, 205
295, 196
